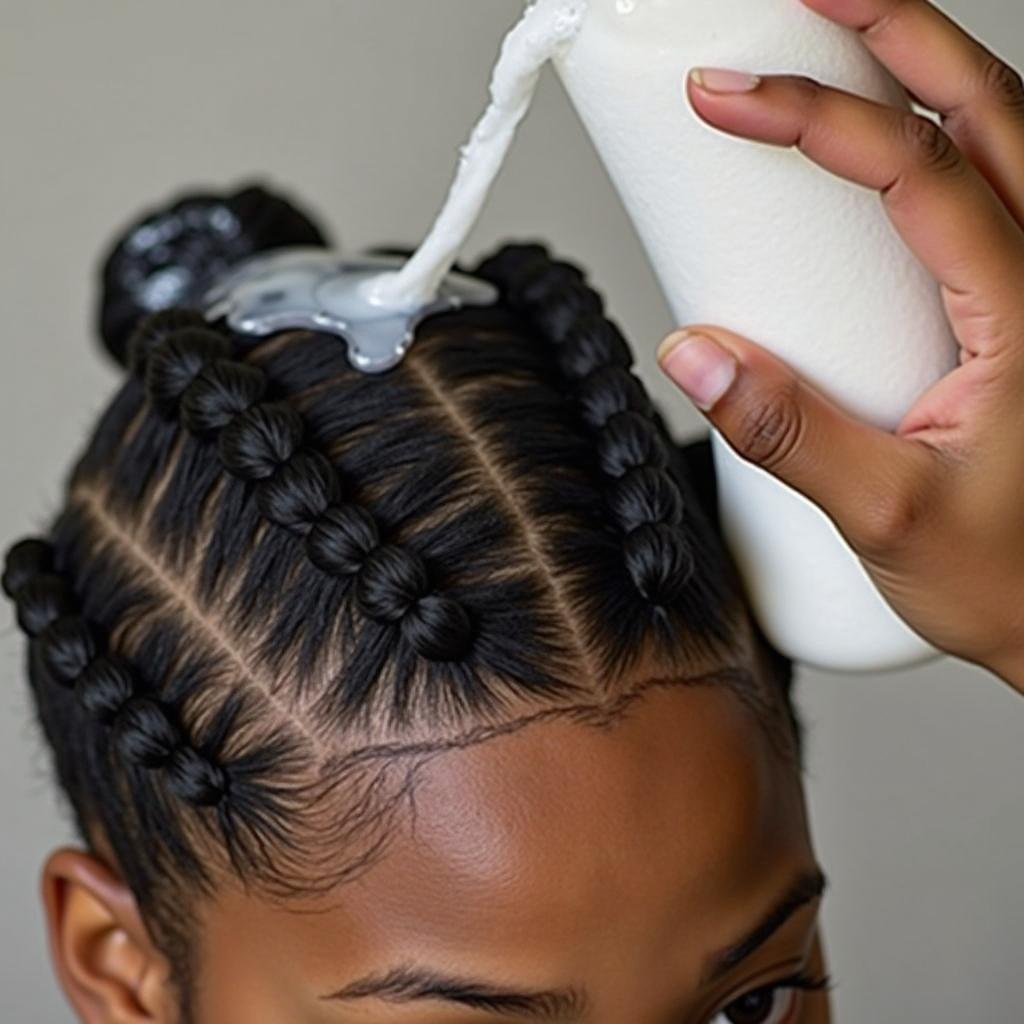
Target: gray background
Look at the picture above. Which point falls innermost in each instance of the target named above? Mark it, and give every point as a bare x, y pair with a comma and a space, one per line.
359, 107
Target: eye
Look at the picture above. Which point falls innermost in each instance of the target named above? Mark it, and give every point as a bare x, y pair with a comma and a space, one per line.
763, 1006
772, 1004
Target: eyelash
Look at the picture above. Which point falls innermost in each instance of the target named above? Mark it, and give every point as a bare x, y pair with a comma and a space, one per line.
805, 982
799, 981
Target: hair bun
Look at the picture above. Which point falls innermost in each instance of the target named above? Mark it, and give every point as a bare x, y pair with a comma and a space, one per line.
173, 254
25, 561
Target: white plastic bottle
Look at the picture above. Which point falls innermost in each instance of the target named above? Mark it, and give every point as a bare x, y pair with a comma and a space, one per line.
761, 240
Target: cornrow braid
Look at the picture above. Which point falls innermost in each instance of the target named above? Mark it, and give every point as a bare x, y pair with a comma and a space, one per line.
71, 651
643, 497
189, 372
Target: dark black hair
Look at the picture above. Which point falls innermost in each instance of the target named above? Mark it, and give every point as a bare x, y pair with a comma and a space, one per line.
278, 586
172, 254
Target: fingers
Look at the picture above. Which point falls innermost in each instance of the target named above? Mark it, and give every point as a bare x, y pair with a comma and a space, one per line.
943, 208
980, 98
871, 483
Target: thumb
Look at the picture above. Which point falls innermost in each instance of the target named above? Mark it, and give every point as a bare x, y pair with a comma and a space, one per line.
870, 482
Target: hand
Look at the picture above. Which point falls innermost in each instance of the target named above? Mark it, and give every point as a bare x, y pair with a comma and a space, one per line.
935, 510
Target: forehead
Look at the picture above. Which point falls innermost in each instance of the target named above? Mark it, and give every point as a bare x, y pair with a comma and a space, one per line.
652, 815
564, 848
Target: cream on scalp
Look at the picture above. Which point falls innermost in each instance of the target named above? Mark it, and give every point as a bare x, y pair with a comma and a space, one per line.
375, 304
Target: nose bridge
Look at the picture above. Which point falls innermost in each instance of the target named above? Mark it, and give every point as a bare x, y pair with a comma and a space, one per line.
647, 989
644, 965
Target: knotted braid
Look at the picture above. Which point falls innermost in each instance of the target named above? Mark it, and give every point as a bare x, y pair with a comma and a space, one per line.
144, 731
189, 372
643, 497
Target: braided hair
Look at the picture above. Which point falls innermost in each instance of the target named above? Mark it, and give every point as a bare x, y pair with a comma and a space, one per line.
144, 731
189, 373
644, 499
277, 585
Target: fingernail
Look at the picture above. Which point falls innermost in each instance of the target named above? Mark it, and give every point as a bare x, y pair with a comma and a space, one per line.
699, 366
723, 80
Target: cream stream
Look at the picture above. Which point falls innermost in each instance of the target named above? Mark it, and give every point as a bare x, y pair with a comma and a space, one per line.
545, 30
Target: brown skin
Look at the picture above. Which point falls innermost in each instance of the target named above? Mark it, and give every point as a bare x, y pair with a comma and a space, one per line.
615, 861
933, 508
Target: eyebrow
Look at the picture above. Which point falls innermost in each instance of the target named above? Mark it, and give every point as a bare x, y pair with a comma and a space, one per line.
809, 887
408, 983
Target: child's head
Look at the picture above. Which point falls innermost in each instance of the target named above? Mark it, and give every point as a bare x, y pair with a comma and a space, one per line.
332, 665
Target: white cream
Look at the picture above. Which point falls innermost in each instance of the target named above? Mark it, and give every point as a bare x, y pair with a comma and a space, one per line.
761, 240
543, 32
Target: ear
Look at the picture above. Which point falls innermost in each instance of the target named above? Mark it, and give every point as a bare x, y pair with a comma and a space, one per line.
106, 963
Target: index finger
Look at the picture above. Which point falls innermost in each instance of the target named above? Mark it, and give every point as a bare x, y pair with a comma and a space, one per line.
941, 206
979, 97
924, 48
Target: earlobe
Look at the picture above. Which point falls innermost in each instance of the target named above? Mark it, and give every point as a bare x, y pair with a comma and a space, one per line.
104, 958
